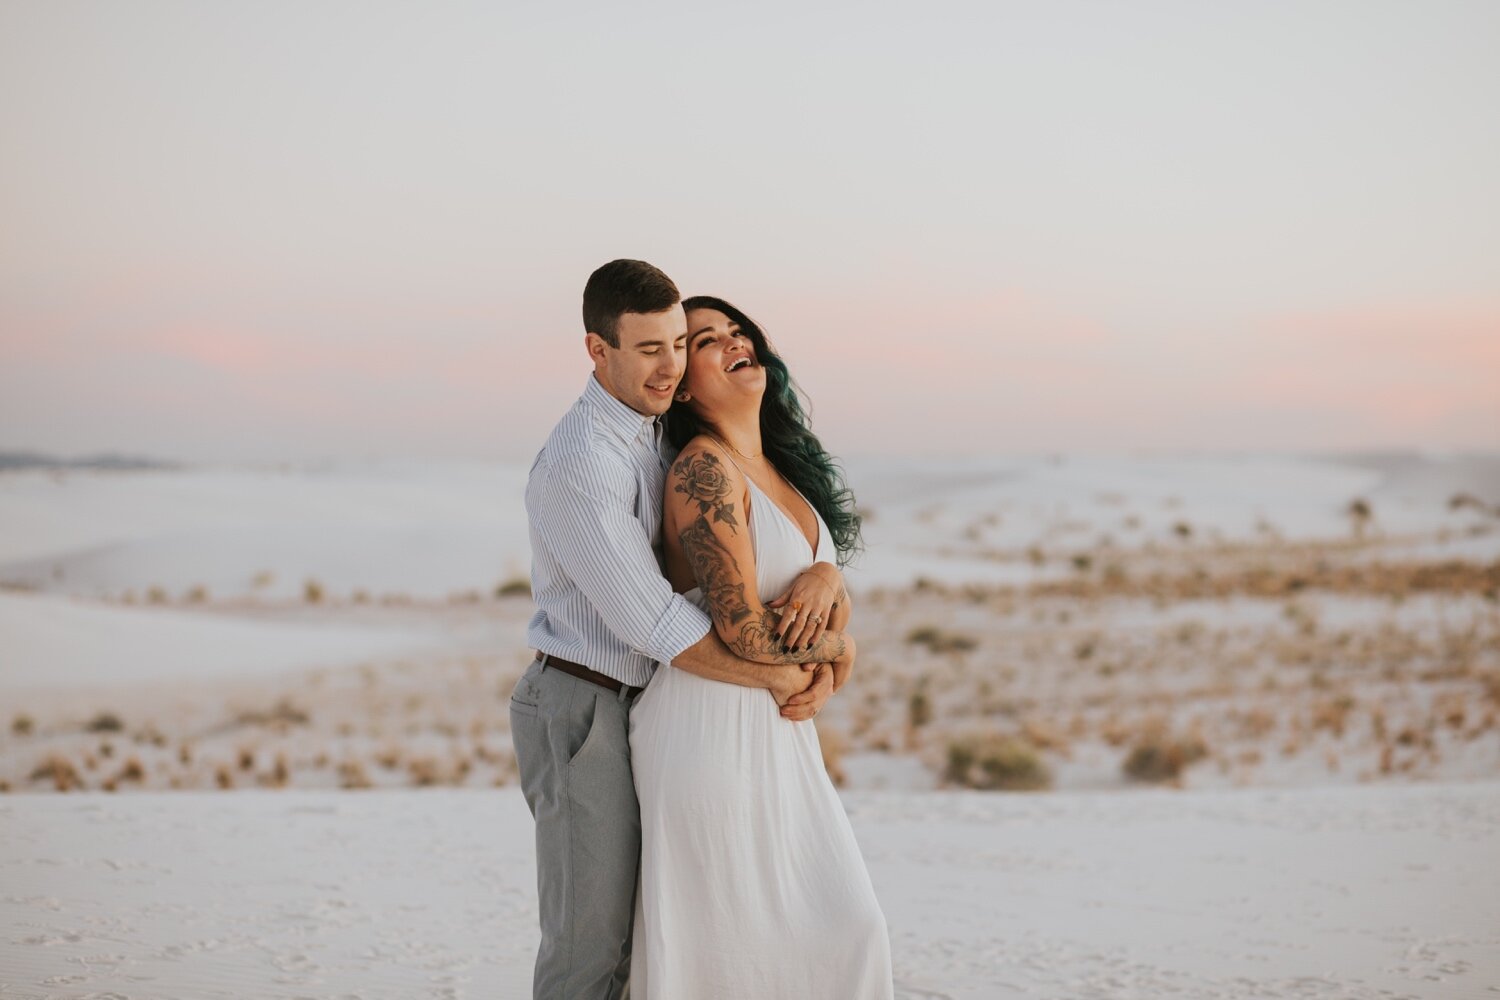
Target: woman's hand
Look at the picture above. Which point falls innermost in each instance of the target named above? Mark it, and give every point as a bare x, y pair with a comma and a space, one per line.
810, 605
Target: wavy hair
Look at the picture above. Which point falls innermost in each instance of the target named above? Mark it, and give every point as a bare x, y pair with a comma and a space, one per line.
785, 434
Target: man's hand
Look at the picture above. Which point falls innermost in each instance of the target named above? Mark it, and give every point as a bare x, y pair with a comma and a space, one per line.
789, 680
801, 707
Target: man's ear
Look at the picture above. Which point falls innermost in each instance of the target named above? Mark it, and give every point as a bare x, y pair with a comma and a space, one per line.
595, 345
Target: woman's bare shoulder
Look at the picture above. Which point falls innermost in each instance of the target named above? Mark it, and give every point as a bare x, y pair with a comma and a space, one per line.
704, 482
702, 462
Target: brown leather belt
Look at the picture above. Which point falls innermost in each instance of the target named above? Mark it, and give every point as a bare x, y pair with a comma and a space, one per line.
583, 673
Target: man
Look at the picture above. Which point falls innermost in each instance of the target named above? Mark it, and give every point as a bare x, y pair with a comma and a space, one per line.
604, 617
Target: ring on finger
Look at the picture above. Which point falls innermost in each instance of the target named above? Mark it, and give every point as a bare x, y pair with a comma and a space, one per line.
816, 620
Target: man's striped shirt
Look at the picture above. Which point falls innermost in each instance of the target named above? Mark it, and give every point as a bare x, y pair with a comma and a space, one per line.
594, 500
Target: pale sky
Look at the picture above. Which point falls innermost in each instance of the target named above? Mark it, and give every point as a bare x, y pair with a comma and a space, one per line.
264, 231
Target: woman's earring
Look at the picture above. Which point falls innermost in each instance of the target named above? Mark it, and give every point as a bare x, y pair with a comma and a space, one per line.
683, 397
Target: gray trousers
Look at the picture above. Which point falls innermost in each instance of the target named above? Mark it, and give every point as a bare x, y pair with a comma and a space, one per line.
572, 741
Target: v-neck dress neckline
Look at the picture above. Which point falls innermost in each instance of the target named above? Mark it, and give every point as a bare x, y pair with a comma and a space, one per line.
812, 548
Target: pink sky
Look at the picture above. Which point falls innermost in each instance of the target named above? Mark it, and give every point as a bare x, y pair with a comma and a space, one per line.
364, 229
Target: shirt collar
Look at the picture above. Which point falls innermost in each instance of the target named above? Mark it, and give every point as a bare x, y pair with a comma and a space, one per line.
622, 419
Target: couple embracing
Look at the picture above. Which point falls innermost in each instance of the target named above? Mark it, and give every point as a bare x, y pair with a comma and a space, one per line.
686, 532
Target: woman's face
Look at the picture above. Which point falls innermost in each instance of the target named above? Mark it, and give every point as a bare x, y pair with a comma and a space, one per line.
722, 369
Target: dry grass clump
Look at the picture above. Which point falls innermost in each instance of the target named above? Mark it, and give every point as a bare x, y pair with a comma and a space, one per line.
1158, 755
425, 771
60, 769
389, 758
105, 722
133, 770
1256, 722
352, 775
281, 716
989, 761
939, 641
1332, 715
22, 725
1046, 736
312, 592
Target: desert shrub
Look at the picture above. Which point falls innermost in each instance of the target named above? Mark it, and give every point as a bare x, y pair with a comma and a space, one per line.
990, 761
516, 586
312, 592
938, 641
22, 725
105, 722
1157, 755
919, 709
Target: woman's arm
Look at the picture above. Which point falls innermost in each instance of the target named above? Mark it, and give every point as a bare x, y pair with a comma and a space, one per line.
702, 515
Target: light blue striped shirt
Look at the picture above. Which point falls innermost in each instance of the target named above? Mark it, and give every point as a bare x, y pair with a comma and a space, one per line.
593, 501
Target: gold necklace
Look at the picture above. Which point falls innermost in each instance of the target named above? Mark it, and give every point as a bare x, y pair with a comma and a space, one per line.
736, 450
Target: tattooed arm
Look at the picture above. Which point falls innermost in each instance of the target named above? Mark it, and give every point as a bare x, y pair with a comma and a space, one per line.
704, 508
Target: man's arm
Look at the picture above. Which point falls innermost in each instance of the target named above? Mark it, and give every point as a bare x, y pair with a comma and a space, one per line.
710, 658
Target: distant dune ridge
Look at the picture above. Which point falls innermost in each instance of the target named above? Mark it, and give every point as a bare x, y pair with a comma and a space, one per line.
105, 461
1290, 665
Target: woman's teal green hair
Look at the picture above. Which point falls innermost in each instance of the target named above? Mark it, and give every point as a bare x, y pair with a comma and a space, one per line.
785, 435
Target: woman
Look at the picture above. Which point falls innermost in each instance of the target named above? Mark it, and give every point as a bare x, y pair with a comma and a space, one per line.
752, 884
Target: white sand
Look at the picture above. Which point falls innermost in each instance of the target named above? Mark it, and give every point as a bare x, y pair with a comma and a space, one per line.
1355, 894
60, 642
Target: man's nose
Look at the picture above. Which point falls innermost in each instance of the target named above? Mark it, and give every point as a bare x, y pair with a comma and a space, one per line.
672, 365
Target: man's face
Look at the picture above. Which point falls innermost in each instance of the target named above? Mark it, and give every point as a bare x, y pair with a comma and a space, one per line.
644, 370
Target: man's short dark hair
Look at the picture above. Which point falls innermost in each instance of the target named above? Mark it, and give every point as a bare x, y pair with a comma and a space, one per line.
624, 286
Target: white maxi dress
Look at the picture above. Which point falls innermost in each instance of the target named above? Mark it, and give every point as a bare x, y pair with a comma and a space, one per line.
752, 885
